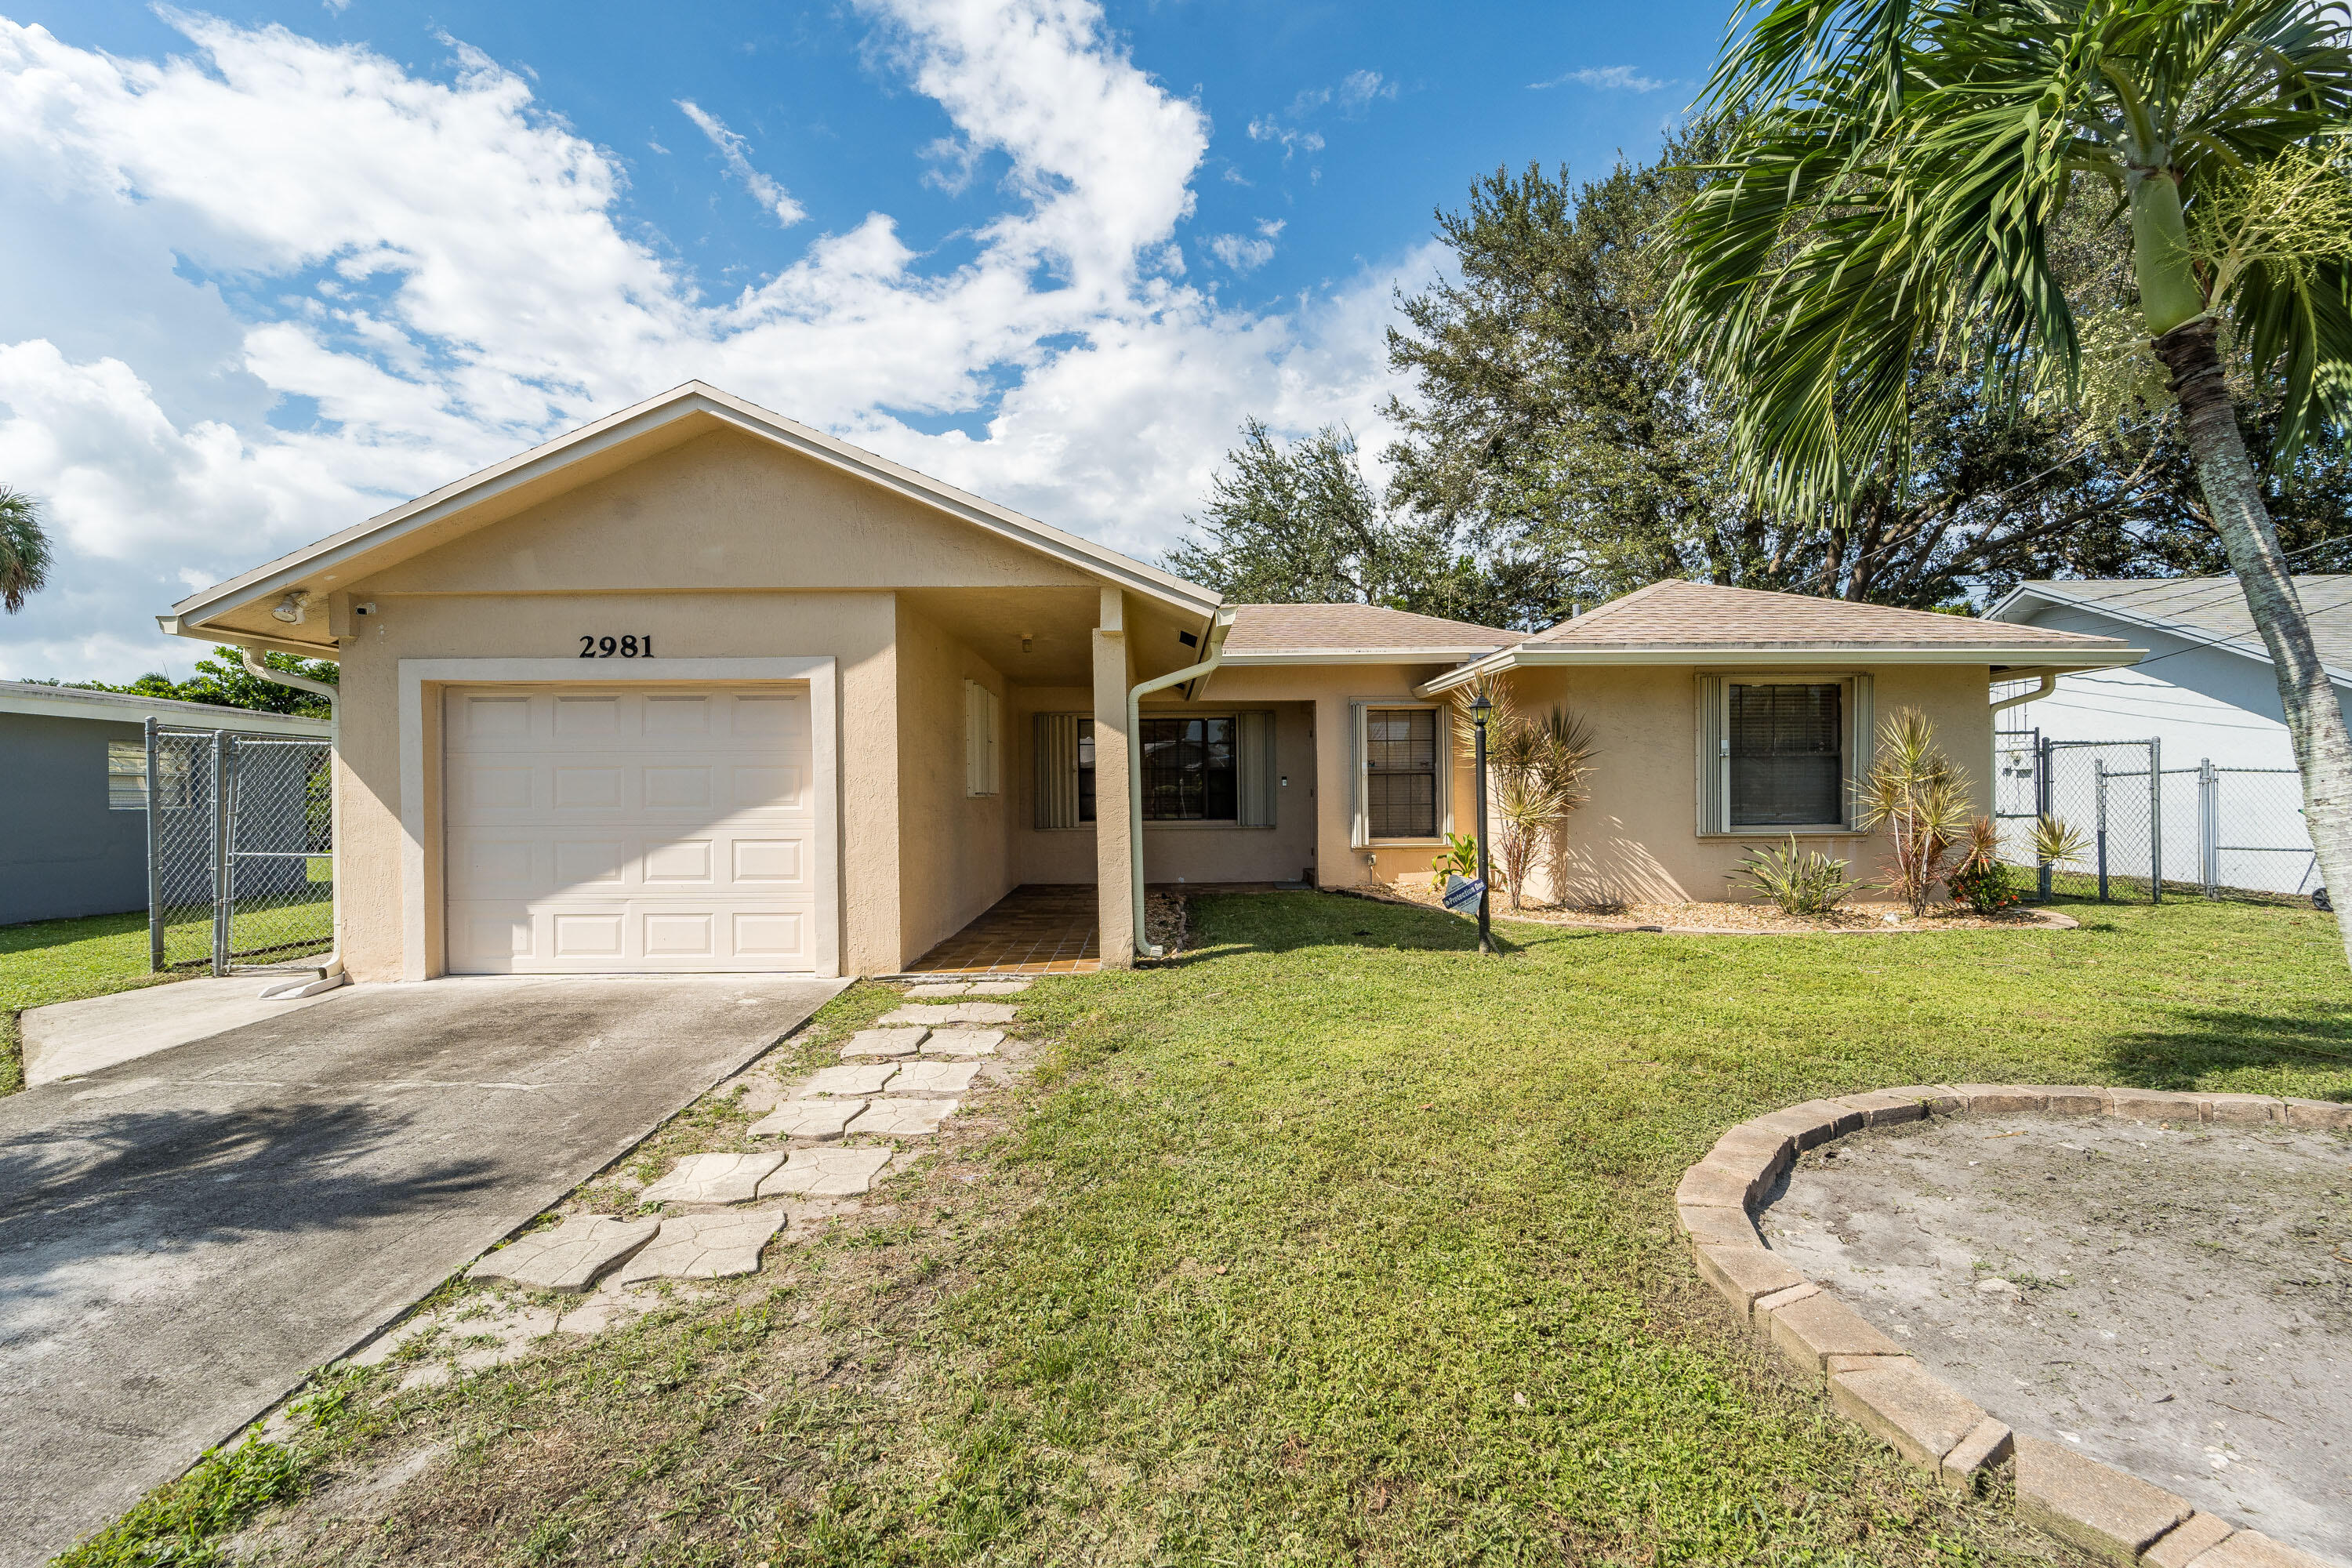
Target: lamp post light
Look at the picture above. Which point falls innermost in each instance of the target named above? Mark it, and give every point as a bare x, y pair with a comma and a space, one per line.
1479, 710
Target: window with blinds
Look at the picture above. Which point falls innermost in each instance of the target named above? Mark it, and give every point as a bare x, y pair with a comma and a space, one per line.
1786, 748
1401, 761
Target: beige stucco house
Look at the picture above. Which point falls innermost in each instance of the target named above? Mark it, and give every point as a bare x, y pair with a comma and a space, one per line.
698, 687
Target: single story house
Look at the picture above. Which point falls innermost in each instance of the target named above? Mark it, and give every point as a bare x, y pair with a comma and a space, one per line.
699, 688
73, 792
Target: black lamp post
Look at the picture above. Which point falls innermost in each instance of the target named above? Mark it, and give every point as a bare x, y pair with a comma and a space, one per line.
1479, 708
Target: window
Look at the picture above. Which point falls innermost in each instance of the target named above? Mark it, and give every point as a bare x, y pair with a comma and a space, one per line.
982, 711
1400, 762
126, 775
1189, 770
1066, 770
1780, 754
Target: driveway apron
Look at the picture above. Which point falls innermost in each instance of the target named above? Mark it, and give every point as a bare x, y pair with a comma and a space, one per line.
184, 1237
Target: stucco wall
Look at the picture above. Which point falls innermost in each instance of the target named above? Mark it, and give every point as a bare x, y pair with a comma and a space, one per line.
954, 854
63, 853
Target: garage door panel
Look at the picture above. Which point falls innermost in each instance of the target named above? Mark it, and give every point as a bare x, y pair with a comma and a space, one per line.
628, 830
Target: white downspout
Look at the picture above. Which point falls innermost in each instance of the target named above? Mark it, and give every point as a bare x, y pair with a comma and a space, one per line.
330, 968
2049, 684
1218, 628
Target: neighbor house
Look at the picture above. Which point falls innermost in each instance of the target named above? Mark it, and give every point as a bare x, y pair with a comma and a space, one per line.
73, 792
699, 688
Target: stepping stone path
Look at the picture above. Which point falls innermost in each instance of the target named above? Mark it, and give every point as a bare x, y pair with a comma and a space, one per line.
884, 1042
827, 1174
953, 1013
713, 1179
936, 991
963, 1042
861, 1078
570, 1256
808, 1119
933, 1078
905, 1118
705, 1247
998, 987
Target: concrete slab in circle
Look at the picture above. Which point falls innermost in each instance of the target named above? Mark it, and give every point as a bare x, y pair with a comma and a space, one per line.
713, 1179
884, 1042
567, 1257
905, 1118
933, 1078
964, 1042
808, 1119
826, 1173
704, 1246
859, 1077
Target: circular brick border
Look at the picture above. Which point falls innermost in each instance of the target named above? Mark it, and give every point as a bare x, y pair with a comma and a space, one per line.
2113, 1515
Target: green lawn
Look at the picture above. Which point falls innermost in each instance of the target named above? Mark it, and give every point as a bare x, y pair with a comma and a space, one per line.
1330, 1243
62, 961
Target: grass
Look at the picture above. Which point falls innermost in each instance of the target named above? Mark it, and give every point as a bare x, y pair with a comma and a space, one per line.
64, 960
1331, 1243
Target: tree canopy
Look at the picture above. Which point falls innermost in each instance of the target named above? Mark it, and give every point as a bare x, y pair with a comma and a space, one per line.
222, 680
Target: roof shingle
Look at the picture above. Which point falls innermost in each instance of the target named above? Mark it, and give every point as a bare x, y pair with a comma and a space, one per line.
1681, 614
1335, 628
2213, 609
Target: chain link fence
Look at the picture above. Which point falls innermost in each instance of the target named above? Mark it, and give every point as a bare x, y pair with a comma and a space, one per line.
240, 848
2149, 828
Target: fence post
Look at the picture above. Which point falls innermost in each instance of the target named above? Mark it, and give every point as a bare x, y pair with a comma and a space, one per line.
2099, 771
2041, 806
222, 835
154, 859
2155, 820
2208, 828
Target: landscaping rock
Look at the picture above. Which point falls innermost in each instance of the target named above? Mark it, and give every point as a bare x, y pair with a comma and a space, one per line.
1810, 1329
937, 990
1713, 1186
827, 1174
2318, 1115
999, 987
2065, 1100
2155, 1105
1935, 1099
1992, 1443
2251, 1549
1906, 1407
2186, 1541
884, 1042
567, 1257
2242, 1109
808, 1119
2110, 1515
1757, 1149
1741, 1274
705, 1247
2000, 1099
713, 1179
857, 1078
905, 1118
933, 1078
1761, 1318
1718, 1226
964, 1042
1885, 1105
1815, 1121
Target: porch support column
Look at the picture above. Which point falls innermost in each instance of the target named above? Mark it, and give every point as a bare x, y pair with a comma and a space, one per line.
1114, 830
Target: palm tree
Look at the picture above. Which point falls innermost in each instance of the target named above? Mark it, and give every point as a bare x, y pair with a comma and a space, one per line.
24, 549
1893, 176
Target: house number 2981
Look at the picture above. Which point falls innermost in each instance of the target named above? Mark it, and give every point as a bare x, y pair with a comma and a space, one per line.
616, 647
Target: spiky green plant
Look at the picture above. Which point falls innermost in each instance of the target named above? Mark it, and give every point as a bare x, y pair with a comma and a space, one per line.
1916, 795
1802, 882
24, 549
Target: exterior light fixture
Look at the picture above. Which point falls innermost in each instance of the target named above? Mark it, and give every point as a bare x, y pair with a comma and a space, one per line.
293, 609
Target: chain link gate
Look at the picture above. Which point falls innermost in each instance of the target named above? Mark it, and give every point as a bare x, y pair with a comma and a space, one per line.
240, 848
2111, 791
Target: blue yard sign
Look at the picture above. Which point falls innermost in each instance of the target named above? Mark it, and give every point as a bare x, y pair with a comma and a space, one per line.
1462, 893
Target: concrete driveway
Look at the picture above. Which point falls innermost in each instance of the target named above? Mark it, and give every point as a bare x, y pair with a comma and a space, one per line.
182, 1238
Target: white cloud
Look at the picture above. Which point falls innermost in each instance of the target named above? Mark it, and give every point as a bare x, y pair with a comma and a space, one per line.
1361, 89
736, 153
264, 289
1608, 78
1243, 254
1292, 139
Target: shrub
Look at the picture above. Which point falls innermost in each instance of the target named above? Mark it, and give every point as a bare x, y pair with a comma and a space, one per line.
1461, 859
1802, 882
1981, 882
1916, 794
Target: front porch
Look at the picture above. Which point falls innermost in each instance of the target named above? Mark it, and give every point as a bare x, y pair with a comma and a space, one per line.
1036, 929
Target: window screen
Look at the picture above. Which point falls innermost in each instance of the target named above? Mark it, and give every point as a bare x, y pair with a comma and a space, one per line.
1188, 770
126, 775
1788, 764
1401, 772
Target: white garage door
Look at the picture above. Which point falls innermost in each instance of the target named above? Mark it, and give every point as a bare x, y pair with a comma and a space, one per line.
627, 830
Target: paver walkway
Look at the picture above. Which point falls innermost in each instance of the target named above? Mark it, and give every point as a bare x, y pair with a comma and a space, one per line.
186, 1236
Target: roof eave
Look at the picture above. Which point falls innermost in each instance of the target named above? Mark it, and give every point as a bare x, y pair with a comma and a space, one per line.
614, 429
1783, 655
1306, 656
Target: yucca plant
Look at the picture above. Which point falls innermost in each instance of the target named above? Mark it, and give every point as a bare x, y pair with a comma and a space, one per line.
2059, 843
1915, 793
1802, 882
1894, 172
1541, 769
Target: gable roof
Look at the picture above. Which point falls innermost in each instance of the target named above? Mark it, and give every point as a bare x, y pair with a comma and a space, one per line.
1338, 634
1680, 622
2208, 610
695, 401
40, 697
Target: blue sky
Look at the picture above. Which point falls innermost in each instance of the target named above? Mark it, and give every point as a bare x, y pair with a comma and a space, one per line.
278, 267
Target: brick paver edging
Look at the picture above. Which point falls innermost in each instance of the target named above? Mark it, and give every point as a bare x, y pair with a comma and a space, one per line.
2115, 1516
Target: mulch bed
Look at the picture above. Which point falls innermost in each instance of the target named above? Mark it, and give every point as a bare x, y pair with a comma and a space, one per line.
1856, 918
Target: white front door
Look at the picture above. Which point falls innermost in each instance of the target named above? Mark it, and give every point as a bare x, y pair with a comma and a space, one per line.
628, 829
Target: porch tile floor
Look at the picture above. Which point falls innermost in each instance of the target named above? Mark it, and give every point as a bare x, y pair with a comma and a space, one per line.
1033, 930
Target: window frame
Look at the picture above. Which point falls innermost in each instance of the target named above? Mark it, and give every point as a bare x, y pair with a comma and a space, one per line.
1855, 726
120, 795
1359, 835
1233, 719
983, 750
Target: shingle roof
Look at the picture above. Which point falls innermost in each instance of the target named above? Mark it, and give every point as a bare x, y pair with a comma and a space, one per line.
2213, 609
1700, 615
1337, 628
